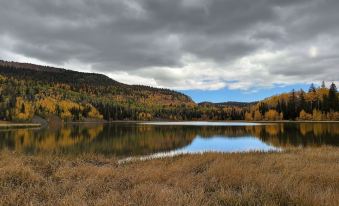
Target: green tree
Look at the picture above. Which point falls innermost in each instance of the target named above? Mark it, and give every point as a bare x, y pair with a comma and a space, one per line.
312, 88
23, 109
302, 102
292, 106
332, 97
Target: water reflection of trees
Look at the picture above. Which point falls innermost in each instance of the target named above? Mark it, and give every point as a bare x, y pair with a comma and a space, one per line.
127, 139
302, 134
119, 139
282, 135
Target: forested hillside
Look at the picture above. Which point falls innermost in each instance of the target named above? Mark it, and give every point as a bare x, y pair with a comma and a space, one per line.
317, 104
228, 104
28, 90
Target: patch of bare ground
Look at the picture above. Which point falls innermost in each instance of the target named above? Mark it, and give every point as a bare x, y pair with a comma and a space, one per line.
293, 177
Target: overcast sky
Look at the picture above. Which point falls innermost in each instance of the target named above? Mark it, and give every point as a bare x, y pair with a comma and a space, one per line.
245, 45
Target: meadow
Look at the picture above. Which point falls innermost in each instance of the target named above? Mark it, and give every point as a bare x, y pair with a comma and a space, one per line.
306, 176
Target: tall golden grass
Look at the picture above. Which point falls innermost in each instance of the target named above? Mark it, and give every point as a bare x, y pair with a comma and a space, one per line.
293, 177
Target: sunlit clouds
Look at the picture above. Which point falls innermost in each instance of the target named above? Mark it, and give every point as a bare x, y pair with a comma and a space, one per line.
313, 52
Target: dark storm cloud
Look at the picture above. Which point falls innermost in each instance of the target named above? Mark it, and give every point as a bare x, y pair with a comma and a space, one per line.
157, 35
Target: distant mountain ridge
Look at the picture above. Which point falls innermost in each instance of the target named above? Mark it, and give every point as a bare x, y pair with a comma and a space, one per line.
229, 104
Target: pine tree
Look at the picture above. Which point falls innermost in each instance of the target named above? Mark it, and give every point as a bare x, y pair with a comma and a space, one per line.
278, 108
263, 108
325, 105
332, 97
284, 109
302, 102
23, 109
291, 106
312, 88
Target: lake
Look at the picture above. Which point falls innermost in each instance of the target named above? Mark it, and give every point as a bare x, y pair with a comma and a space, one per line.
128, 139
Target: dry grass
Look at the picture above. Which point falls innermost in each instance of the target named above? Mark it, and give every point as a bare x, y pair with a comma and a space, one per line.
295, 177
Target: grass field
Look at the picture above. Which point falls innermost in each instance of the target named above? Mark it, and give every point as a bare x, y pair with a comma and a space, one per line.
293, 177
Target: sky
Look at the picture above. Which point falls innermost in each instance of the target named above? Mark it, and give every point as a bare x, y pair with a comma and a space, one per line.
216, 50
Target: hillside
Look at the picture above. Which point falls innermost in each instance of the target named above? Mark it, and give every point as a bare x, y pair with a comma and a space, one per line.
81, 82
317, 104
228, 104
27, 90
53, 75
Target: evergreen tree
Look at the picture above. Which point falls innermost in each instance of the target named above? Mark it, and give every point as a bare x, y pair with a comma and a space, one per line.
292, 106
279, 107
302, 102
323, 86
332, 97
263, 108
58, 110
312, 88
23, 109
325, 105
284, 109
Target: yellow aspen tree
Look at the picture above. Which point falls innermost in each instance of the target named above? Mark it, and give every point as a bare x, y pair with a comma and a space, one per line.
257, 116
305, 116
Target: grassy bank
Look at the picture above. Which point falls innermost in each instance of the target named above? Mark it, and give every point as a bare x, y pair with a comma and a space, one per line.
294, 177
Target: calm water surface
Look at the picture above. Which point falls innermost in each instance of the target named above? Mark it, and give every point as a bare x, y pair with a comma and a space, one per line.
157, 138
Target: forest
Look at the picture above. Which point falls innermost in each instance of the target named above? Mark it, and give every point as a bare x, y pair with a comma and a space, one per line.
28, 90
316, 104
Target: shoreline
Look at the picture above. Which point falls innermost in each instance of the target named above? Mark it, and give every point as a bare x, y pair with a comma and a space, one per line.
138, 121
35, 125
19, 125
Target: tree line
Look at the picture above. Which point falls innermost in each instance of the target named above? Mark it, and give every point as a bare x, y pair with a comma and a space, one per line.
316, 104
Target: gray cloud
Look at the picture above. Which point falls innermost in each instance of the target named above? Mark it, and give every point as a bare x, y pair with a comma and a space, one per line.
179, 43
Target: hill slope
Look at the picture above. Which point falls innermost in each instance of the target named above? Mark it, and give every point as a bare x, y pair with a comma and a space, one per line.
317, 104
228, 104
28, 89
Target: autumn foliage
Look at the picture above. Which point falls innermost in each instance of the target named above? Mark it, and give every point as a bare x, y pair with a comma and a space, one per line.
317, 104
27, 90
